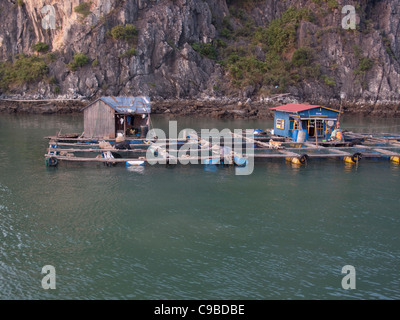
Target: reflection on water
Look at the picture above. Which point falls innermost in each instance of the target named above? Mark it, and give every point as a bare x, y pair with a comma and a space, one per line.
137, 169
283, 232
395, 167
295, 167
371, 125
350, 167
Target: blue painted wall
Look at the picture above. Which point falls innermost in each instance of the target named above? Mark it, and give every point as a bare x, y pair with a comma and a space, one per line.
284, 116
319, 112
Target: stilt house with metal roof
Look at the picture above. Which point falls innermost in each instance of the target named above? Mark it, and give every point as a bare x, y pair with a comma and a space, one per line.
108, 117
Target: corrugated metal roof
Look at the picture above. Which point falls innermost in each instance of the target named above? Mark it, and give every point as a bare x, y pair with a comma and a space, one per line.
294, 107
128, 104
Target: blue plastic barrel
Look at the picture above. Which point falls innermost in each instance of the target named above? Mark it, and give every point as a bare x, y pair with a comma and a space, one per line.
212, 161
295, 133
239, 161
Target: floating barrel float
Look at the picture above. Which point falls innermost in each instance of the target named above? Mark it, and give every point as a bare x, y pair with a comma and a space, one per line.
240, 161
258, 132
51, 161
134, 163
395, 159
212, 161
355, 158
303, 159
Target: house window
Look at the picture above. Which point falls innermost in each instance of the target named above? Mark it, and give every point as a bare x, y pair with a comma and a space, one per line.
280, 123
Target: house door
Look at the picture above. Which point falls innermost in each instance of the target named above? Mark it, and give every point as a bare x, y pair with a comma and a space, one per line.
320, 128
120, 124
311, 128
315, 128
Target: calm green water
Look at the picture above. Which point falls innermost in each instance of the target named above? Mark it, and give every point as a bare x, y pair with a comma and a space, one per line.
184, 233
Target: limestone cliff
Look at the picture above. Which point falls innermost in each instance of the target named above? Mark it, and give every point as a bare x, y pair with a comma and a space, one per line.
197, 49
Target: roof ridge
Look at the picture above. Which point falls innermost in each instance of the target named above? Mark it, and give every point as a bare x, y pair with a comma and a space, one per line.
297, 107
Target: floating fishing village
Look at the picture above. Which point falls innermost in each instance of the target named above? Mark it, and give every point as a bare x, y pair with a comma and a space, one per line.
191, 156
116, 132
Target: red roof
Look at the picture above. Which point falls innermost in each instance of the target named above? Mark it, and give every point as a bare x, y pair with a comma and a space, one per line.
294, 107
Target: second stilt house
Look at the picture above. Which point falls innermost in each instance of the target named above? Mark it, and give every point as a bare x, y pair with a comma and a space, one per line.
316, 121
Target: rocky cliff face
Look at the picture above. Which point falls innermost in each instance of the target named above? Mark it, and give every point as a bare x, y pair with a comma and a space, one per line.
356, 67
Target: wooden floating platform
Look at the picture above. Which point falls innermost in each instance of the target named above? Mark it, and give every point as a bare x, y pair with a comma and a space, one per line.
64, 148
120, 160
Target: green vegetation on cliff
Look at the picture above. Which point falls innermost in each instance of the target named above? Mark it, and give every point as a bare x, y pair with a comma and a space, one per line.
41, 47
83, 9
127, 32
263, 56
23, 69
78, 61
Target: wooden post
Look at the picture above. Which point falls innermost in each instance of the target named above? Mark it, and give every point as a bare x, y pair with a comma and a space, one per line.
124, 125
340, 111
316, 132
